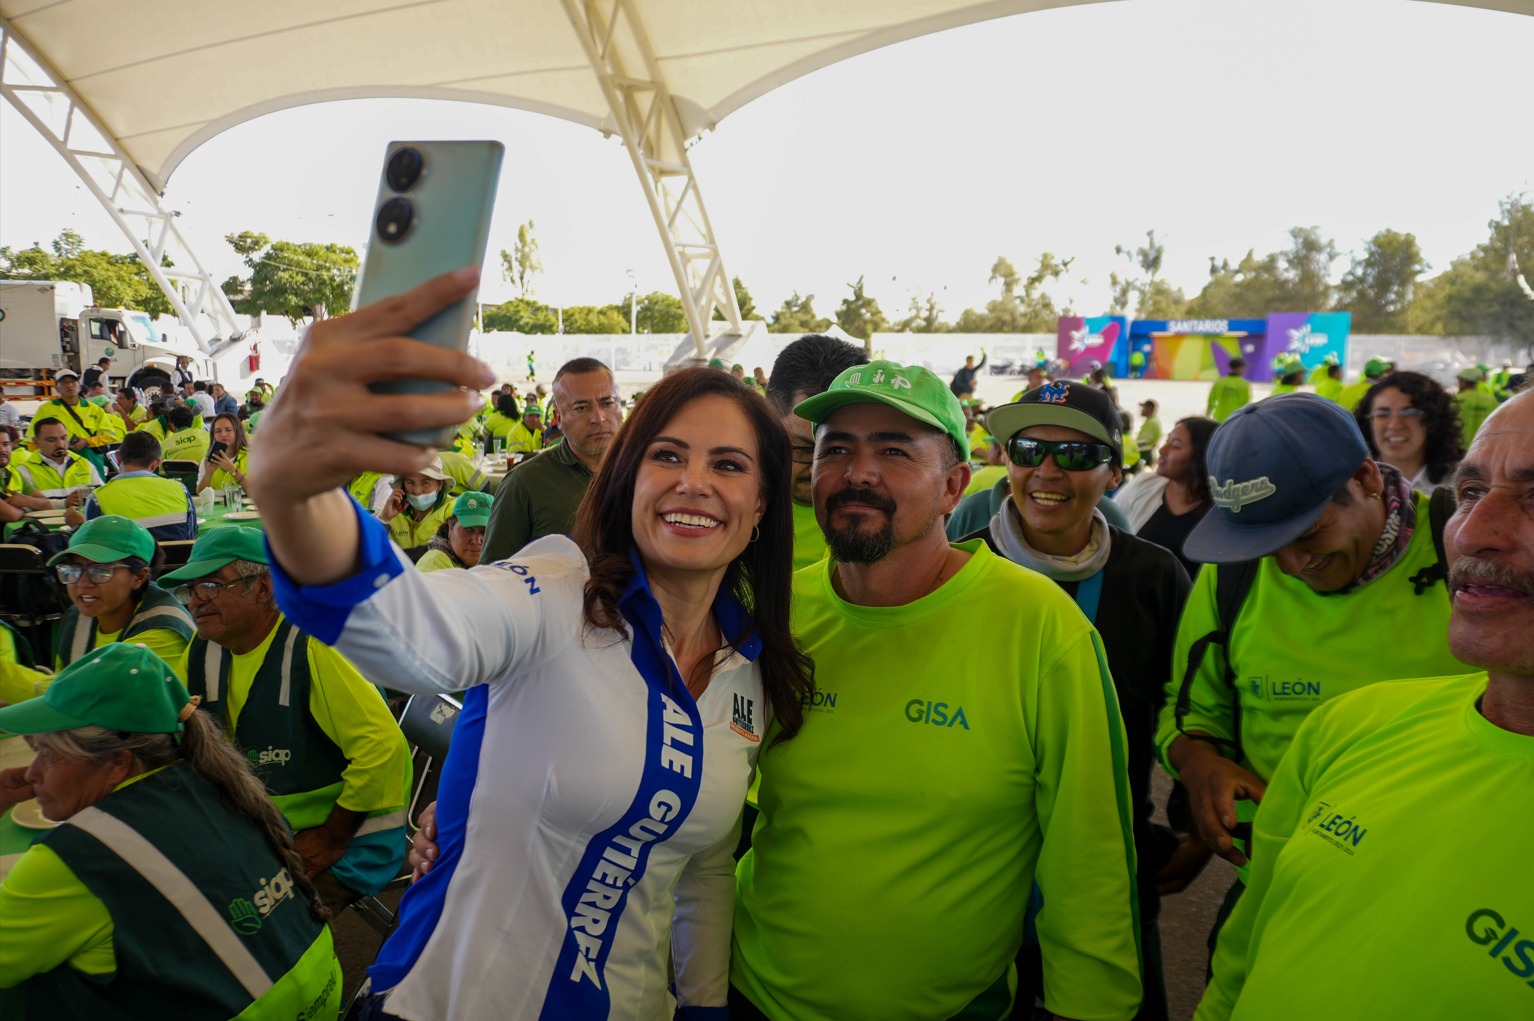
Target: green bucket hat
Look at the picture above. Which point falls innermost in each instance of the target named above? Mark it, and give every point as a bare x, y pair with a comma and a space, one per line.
108, 538
473, 509
119, 686
909, 389
219, 546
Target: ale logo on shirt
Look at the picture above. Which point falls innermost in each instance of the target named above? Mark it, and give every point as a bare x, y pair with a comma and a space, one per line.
1340, 829
743, 718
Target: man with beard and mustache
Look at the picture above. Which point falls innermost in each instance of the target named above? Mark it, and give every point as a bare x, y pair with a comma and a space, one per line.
1388, 850
903, 828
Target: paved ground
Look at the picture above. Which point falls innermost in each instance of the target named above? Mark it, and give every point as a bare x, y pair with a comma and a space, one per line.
1185, 921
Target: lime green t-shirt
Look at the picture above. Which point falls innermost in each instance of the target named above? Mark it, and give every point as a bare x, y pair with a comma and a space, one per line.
1330, 388
17, 682
984, 477
902, 829
809, 540
1380, 631
1475, 407
1390, 864
1227, 395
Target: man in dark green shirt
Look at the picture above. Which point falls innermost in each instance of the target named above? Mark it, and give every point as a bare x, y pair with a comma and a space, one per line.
540, 495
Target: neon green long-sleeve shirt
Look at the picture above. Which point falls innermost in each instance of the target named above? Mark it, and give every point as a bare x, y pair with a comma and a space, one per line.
1294, 648
1390, 863
902, 828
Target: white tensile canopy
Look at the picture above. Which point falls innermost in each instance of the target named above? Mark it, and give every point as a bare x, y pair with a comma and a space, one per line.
157, 78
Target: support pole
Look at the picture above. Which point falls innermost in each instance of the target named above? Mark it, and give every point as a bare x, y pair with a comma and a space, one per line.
616, 43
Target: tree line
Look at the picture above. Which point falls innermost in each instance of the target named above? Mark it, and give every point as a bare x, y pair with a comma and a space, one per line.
1386, 286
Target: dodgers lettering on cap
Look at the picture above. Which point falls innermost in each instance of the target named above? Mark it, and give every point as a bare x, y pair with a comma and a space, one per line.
1233, 495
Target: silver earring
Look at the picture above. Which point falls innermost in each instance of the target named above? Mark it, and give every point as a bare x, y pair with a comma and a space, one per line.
756, 532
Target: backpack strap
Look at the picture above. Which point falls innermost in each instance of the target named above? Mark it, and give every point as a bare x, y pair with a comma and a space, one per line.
1440, 507
1232, 582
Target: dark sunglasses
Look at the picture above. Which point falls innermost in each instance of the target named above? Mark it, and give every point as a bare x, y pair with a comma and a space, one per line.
1070, 455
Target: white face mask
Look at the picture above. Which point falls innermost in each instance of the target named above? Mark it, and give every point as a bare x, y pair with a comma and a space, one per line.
421, 501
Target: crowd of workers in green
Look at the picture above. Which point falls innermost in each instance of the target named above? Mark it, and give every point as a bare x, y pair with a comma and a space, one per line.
822, 693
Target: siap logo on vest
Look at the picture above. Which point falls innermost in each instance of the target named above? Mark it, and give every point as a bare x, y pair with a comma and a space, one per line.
938, 714
270, 757
246, 916
1340, 829
743, 718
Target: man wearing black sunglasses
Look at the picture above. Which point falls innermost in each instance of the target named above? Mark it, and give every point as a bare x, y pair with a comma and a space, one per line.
1065, 449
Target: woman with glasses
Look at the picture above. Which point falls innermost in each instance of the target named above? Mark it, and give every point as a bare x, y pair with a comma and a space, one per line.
225, 464
1163, 505
1411, 424
107, 569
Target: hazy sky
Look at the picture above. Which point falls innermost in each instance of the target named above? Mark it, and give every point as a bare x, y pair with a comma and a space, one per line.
1219, 123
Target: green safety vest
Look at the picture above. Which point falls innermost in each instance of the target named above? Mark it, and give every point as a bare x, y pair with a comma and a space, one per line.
158, 610
299, 763
151, 501
206, 921
47, 478
409, 533
190, 444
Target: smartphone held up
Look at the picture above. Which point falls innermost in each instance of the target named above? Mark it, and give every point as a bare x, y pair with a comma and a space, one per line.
432, 216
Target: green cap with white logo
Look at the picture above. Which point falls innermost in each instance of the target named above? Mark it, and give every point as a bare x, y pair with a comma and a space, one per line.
473, 509
219, 546
119, 686
909, 389
108, 538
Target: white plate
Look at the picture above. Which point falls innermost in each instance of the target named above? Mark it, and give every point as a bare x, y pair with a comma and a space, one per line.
46, 515
29, 815
243, 516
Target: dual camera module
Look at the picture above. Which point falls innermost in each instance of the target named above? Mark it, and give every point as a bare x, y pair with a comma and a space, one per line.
396, 215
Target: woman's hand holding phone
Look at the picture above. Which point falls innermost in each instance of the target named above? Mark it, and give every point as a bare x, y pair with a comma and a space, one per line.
324, 428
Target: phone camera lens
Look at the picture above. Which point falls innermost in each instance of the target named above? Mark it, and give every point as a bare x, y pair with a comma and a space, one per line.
394, 219
404, 169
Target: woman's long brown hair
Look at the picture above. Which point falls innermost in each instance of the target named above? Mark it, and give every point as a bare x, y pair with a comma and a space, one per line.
760, 577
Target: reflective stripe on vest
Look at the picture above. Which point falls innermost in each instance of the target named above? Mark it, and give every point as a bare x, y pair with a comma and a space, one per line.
173, 884
84, 637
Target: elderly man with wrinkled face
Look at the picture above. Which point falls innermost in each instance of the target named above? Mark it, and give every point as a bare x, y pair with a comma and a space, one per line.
1391, 850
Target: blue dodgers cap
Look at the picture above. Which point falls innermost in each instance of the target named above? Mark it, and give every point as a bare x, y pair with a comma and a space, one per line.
1273, 467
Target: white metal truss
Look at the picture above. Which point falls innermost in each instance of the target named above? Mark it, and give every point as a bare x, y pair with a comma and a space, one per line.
615, 40
37, 91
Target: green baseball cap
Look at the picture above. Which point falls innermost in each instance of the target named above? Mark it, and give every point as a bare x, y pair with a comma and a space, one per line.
119, 686
473, 509
219, 546
909, 389
532, 408
716, 363
1376, 367
1472, 374
108, 538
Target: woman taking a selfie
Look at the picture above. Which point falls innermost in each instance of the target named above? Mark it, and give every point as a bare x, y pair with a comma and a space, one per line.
619, 685
225, 464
